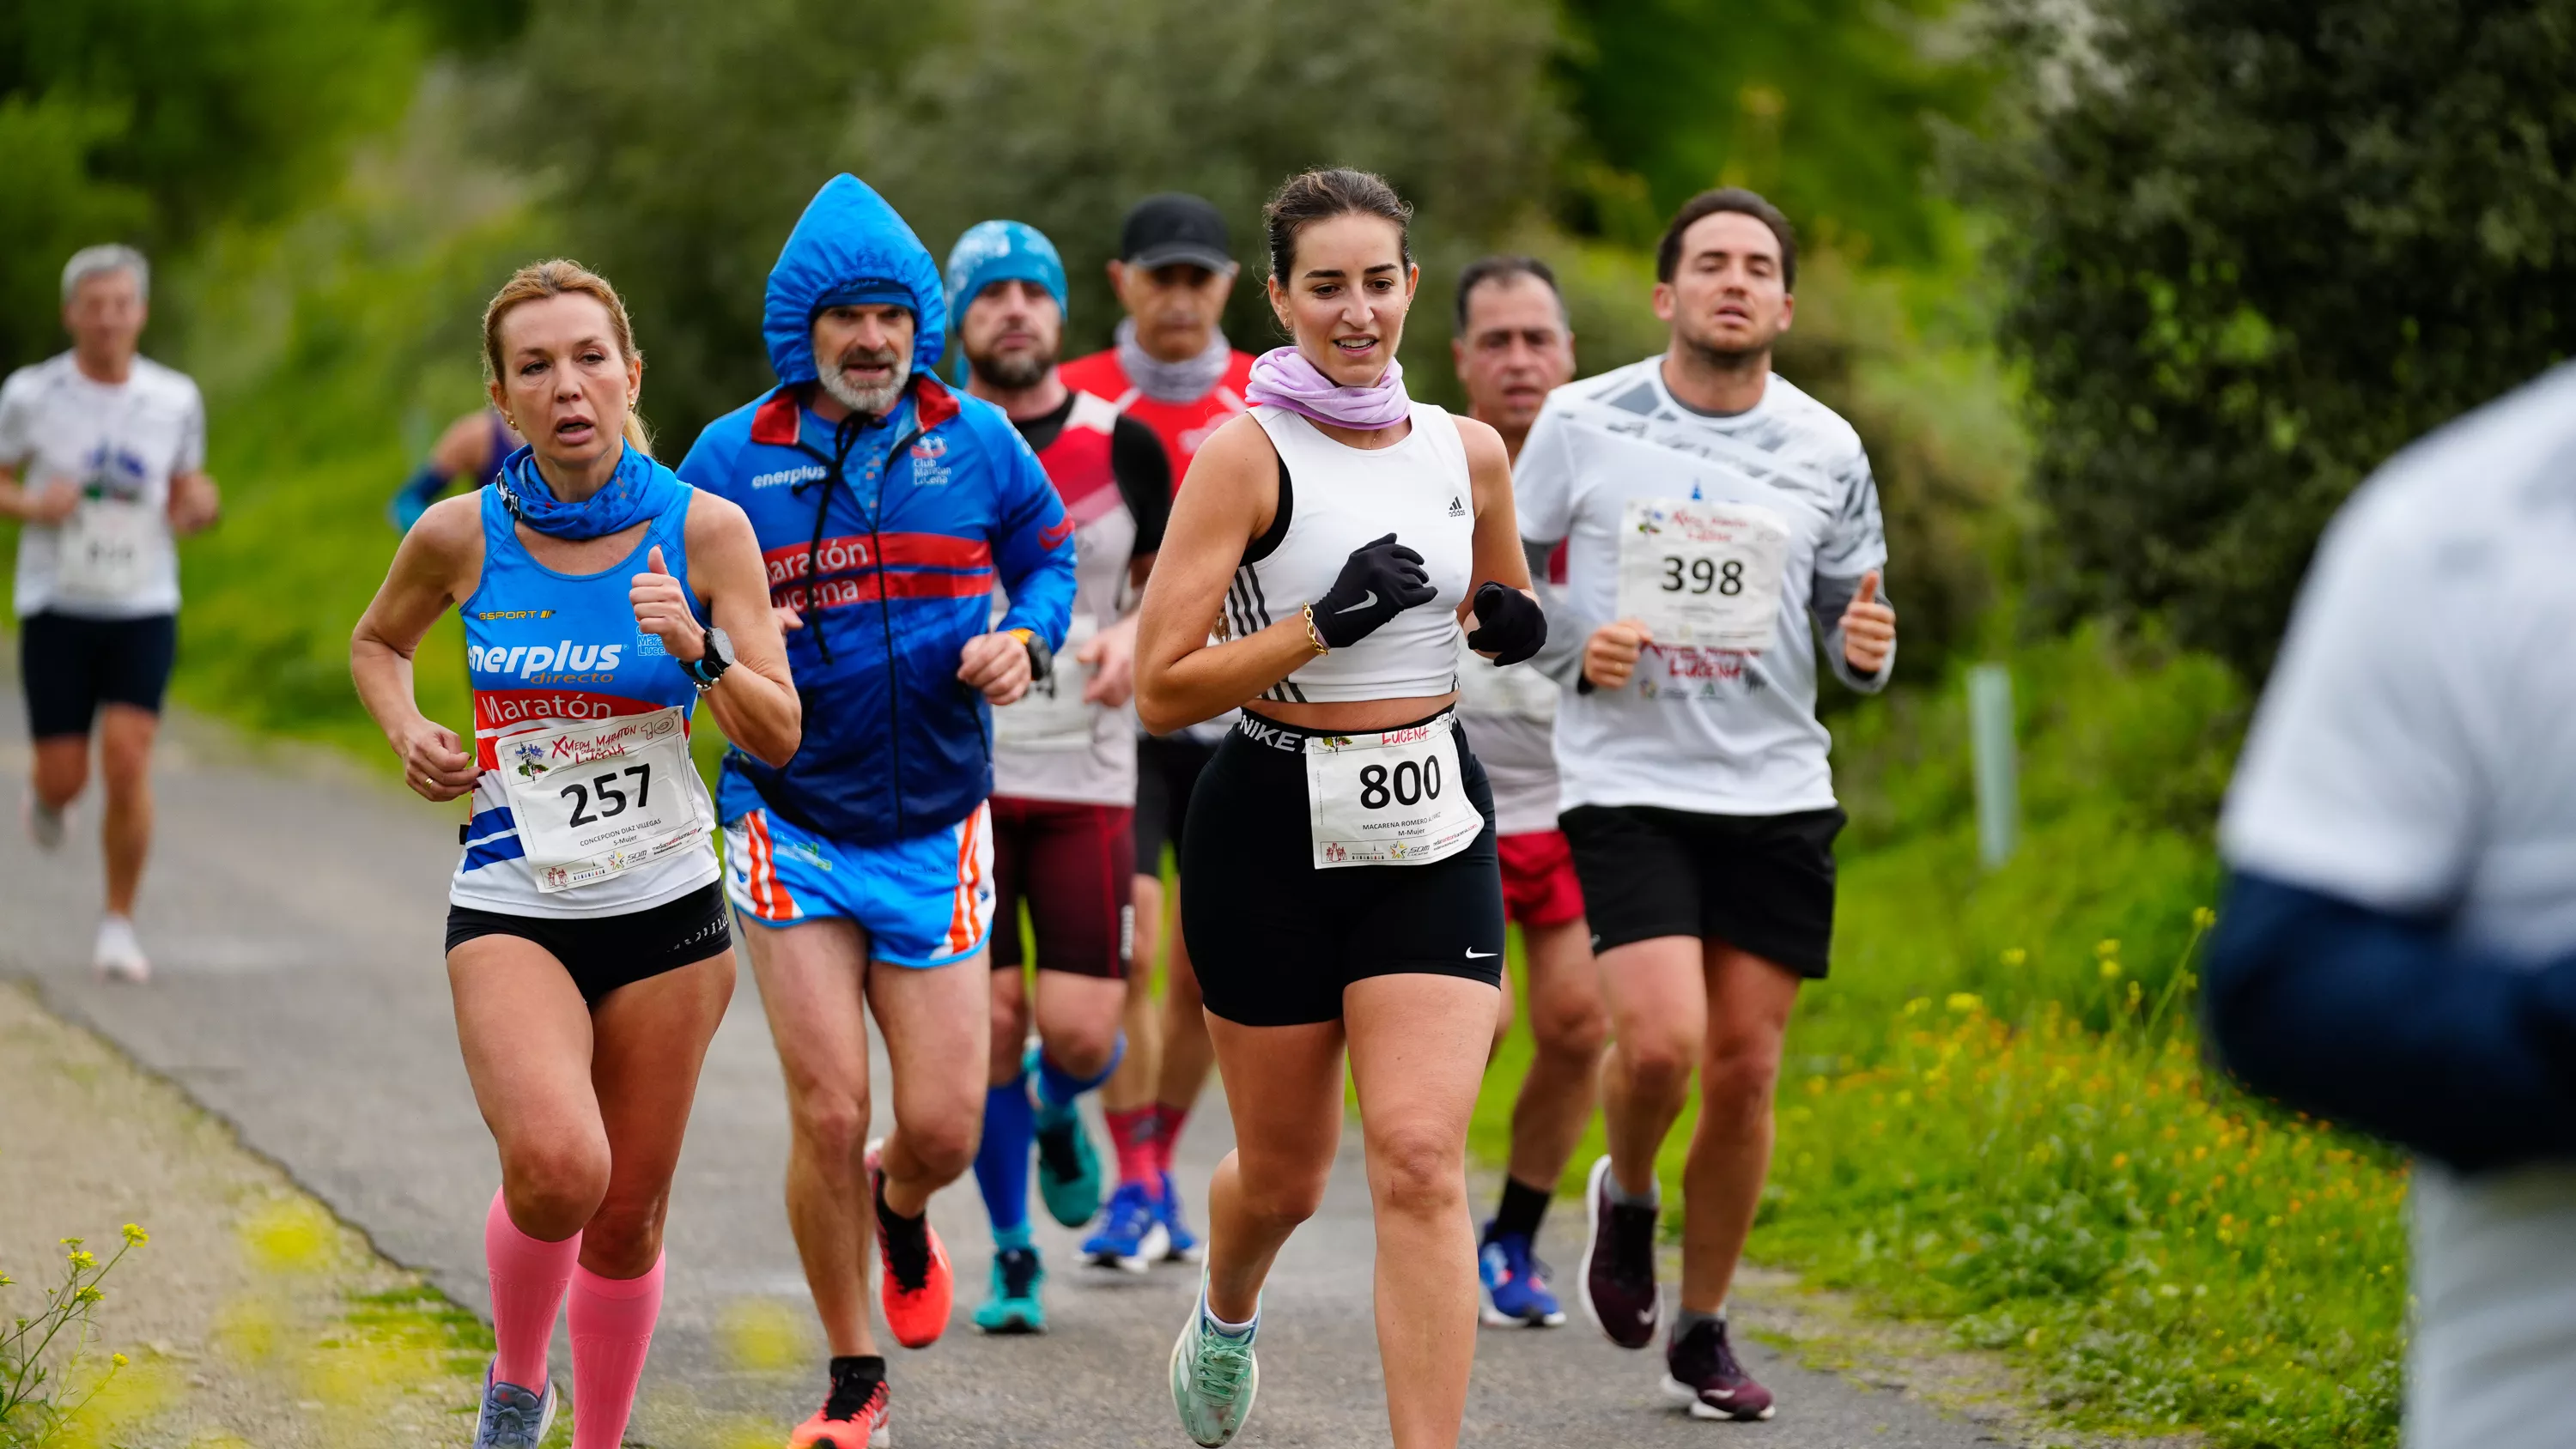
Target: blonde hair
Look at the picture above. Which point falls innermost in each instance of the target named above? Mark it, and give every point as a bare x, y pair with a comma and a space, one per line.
554, 278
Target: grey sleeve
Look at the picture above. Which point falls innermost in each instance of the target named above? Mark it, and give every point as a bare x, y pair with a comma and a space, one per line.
1825, 604
1561, 657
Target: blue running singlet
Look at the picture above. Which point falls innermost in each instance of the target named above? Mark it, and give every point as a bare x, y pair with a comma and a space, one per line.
546, 649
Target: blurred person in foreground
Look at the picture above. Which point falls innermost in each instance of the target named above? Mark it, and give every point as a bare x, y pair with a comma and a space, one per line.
1173, 370
103, 458
2397, 949
1512, 347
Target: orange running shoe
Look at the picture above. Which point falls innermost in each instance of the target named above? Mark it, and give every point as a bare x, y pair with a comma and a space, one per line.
916, 1287
853, 1417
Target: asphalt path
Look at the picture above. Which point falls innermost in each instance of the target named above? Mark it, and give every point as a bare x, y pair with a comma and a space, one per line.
293, 913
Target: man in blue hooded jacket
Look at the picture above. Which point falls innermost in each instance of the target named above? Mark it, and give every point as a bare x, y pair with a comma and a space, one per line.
889, 509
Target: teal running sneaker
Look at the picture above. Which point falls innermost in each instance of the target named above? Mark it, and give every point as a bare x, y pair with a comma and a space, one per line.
511, 1417
1014, 1306
1214, 1376
1068, 1170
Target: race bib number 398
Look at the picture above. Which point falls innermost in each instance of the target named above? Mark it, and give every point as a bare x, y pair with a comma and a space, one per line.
1388, 797
598, 798
1704, 574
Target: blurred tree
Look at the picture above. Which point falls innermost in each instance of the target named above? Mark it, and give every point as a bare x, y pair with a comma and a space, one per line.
149, 121
687, 148
2254, 247
1822, 105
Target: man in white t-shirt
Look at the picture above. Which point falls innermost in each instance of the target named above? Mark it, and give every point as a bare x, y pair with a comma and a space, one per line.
1513, 347
102, 457
1720, 526
2397, 949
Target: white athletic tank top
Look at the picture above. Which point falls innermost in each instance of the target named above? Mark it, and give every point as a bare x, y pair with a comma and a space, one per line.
1333, 498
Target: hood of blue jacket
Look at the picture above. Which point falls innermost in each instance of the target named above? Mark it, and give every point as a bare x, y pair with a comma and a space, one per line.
848, 234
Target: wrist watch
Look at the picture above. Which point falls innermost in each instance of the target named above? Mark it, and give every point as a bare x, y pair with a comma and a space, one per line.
1041, 658
710, 666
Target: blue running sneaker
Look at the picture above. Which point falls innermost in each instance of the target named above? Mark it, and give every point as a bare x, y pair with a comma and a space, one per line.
1516, 1293
1068, 1170
512, 1417
1014, 1305
1131, 1236
1181, 1245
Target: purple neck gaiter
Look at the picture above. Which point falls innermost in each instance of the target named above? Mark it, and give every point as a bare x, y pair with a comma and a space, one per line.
1282, 377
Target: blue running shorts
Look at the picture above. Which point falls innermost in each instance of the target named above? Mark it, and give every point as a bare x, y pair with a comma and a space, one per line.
924, 902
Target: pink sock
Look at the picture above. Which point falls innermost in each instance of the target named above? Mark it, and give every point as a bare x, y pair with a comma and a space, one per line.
612, 1328
528, 1280
1167, 1131
1132, 1132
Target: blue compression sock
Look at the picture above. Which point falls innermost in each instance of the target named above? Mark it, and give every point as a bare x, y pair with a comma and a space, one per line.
1058, 1087
1002, 1162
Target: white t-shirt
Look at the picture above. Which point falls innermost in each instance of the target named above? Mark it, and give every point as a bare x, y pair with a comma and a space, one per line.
1509, 715
1717, 731
119, 443
2412, 755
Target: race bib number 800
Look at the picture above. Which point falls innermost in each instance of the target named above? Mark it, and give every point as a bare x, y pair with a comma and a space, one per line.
1388, 797
1702, 573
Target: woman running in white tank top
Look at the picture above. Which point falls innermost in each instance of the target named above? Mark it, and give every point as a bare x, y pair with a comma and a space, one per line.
1340, 851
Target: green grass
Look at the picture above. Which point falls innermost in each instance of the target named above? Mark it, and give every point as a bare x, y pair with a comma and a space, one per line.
1994, 1113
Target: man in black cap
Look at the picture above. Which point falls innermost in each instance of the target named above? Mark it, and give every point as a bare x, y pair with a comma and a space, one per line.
1172, 370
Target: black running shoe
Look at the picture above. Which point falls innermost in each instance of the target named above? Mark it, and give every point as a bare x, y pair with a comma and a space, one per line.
1700, 1370
1619, 1266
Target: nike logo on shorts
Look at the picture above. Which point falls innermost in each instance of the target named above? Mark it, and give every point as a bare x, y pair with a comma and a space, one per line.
1362, 604
1475, 955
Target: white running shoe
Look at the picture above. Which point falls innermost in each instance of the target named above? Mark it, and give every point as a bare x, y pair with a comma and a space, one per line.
44, 824
119, 957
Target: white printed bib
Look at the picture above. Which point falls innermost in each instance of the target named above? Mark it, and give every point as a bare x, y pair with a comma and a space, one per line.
597, 798
106, 550
1388, 797
1052, 714
1705, 574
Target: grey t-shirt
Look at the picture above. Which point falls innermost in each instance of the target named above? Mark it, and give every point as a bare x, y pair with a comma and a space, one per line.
2413, 755
1717, 731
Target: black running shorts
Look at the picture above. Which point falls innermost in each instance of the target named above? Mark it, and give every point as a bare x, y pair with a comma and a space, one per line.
71, 666
1275, 940
1167, 769
1759, 883
603, 953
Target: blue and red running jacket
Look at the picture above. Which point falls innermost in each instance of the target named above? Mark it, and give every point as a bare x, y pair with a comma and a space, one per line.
888, 536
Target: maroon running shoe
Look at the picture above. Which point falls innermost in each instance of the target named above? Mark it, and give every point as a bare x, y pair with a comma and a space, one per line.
1619, 1266
1700, 1370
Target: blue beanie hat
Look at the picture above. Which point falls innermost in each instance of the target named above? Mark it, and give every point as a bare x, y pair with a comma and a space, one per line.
1002, 251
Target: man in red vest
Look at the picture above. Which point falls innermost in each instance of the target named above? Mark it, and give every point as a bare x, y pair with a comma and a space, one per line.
1172, 370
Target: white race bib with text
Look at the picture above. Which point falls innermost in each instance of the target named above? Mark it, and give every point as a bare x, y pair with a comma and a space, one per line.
107, 549
597, 798
1704, 574
1388, 797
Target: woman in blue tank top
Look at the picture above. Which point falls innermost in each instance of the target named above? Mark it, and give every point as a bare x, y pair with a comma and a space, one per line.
587, 942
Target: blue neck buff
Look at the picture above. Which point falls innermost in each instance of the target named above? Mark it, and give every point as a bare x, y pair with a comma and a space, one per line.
639, 489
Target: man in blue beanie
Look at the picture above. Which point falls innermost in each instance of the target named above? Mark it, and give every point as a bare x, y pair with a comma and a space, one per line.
896, 517
1064, 761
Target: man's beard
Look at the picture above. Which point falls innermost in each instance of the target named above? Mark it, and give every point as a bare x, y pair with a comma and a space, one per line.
1728, 359
870, 401
1011, 371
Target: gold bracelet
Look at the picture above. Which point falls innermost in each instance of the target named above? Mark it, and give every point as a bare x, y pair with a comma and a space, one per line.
1314, 635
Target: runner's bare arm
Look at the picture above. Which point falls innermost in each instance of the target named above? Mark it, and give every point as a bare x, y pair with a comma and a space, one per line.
51, 502
755, 701
1110, 655
1226, 501
438, 563
195, 502
1499, 557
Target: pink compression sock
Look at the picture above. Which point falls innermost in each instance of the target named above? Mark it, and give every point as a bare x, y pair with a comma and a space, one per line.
1132, 1132
528, 1279
612, 1328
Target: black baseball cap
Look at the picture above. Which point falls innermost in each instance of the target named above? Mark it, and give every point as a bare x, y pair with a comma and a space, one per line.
1175, 227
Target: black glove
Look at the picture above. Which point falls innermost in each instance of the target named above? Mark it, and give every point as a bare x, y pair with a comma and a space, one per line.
1509, 623
1379, 581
